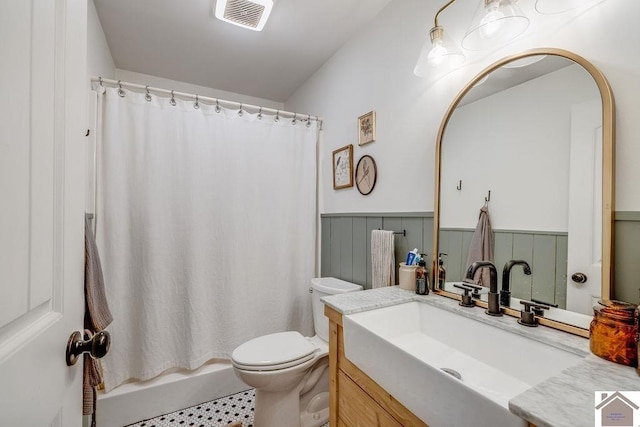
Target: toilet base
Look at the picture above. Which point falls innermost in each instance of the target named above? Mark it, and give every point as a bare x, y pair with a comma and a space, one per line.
283, 408
316, 413
307, 405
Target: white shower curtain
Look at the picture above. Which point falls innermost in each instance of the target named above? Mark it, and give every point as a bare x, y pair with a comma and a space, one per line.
206, 229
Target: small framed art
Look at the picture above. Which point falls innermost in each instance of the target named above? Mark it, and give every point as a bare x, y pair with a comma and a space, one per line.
366, 174
343, 167
367, 128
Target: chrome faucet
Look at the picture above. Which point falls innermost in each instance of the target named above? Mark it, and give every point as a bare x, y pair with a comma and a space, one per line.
493, 296
505, 292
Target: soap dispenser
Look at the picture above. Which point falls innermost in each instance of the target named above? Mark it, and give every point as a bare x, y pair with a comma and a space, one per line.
422, 277
441, 271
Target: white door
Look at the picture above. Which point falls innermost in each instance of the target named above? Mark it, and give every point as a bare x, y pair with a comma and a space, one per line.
585, 208
42, 160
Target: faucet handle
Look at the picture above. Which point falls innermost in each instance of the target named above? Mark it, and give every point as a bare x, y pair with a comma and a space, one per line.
476, 289
528, 314
466, 300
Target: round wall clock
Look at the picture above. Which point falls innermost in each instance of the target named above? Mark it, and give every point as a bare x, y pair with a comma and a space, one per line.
366, 174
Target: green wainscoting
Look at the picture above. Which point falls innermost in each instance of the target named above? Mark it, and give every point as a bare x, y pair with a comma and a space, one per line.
346, 251
346, 241
626, 286
546, 253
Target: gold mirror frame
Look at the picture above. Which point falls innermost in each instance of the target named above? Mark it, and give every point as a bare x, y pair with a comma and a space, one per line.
608, 177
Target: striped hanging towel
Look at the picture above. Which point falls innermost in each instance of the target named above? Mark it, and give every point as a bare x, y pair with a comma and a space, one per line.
382, 258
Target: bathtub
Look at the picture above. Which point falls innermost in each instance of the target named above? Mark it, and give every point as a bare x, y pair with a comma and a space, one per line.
166, 393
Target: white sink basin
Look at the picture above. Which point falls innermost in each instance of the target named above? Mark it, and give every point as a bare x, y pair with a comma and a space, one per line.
404, 348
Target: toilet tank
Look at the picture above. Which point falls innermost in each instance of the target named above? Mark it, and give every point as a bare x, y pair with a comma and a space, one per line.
321, 287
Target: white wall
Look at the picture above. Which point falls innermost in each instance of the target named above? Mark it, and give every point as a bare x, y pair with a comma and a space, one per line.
99, 60
515, 143
373, 71
146, 79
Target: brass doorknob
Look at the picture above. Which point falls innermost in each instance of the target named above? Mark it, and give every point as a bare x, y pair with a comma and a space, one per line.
96, 345
579, 277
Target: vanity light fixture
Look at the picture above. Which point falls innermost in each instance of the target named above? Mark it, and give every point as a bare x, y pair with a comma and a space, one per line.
495, 23
439, 50
249, 14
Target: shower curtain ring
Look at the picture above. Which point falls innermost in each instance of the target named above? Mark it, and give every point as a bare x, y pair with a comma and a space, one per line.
217, 106
277, 119
240, 112
295, 115
100, 81
260, 114
120, 90
173, 100
196, 104
308, 121
148, 95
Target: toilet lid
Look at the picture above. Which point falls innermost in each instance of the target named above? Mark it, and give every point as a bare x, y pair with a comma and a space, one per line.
274, 349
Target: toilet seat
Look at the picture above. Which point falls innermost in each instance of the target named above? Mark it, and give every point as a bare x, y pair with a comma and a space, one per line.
273, 352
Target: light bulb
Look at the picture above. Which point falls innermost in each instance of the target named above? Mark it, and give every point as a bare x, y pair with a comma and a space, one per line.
438, 51
492, 22
437, 54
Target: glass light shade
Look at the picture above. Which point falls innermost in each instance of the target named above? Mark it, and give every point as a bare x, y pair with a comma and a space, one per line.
550, 7
495, 23
439, 51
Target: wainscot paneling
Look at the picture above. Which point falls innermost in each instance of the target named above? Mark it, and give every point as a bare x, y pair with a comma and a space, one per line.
626, 286
346, 252
346, 241
545, 252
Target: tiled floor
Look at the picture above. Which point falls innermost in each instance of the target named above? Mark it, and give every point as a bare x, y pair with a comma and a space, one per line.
217, 413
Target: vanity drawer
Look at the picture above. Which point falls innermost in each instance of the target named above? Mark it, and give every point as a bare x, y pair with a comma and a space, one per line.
357, 409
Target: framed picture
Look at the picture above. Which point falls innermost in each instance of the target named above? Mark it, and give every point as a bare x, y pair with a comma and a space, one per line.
343, 167
366, 174
367, 128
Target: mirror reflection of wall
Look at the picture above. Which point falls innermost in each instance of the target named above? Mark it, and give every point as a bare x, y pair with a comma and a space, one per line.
512, 135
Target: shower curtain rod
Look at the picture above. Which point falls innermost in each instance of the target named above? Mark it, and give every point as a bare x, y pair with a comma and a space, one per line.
280, 113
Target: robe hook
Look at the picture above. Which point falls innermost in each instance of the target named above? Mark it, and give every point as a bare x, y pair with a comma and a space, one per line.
487, 198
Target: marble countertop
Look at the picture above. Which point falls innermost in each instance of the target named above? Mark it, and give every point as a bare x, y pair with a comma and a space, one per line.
564, 400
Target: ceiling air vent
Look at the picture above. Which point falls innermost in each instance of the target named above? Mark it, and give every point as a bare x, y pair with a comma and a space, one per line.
244, 13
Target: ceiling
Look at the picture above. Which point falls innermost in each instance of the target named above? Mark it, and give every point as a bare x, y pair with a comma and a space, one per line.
181, 40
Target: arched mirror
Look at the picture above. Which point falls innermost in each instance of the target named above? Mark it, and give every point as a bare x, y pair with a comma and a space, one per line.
531, 139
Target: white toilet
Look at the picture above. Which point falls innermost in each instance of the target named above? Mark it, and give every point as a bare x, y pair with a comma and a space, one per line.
289, 371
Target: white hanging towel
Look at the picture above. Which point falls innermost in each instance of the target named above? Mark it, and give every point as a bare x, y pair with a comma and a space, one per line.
382, 258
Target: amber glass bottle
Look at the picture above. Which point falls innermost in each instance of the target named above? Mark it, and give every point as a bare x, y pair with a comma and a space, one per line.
614, 332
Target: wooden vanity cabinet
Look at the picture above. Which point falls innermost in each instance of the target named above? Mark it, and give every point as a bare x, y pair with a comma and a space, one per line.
355, 400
